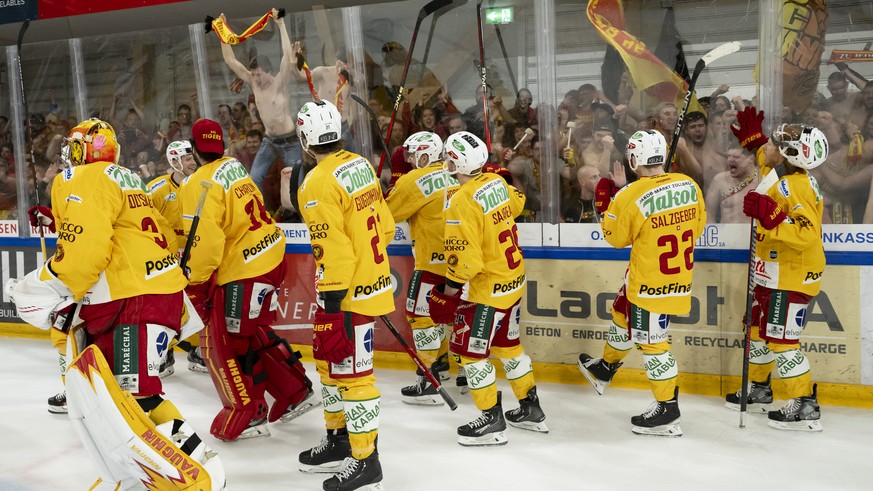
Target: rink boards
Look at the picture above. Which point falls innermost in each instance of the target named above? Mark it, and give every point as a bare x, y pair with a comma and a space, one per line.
572, 278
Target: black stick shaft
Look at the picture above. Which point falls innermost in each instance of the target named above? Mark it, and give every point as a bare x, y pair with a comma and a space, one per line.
425, 370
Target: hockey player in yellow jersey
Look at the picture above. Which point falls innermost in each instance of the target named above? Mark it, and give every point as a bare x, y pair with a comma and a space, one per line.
481, 248
350, 227
112, 258
660, 215
236, 266
789, 265
164, 192
420, 197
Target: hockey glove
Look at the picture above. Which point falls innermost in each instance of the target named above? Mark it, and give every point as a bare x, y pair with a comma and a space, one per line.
603, 194
329, 338
41, 215
200, 296
442, 306
749, 134
764, 209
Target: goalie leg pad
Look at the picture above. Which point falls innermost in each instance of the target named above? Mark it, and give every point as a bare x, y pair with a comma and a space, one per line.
135, 352
242, 404
124, 443
286, 376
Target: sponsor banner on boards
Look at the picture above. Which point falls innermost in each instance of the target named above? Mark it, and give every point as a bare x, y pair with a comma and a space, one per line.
566, 310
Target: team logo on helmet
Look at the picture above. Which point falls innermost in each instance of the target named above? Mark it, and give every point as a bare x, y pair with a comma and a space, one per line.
819, 151
304, 109
458, 145
300, 121
77, 151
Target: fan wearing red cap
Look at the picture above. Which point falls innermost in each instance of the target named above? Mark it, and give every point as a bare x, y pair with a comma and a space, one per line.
239, 254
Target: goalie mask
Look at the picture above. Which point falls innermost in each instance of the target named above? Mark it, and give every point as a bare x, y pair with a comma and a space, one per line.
91, 141
318, 123
646, 147
802, 146
176, 152
424, 143
466, 151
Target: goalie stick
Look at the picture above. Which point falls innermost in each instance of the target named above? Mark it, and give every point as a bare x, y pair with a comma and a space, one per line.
707, 59
29, 133
766, 183
426, 371
425, 11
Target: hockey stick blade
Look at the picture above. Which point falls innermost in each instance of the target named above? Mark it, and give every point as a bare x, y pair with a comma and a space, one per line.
424, 370
719, 52
432, 7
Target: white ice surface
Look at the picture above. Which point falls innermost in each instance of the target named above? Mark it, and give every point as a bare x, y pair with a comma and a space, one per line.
590, 446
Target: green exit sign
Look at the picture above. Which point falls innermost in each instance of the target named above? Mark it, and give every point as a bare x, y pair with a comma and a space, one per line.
499, 16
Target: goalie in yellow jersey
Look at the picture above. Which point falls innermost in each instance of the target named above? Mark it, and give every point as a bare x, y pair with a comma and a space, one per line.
481, 247
660, 215
237, 266
115, 261
350, 227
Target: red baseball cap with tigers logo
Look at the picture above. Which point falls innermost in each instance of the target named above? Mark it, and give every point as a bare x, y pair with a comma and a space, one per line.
207, 136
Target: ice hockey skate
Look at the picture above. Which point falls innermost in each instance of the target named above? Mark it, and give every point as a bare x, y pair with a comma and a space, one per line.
800, 414
598, 372
421, 393
486, 430
166, 368
528, 415
364, 474
461, 380
760, 396
327, 456
441, 367
196, 363
257, 427
660, 419
57, 404
309, 403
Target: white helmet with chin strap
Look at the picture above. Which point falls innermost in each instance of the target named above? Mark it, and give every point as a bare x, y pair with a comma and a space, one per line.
318, 123
802, 146
646, 147
467, 152
424, 143
176, 151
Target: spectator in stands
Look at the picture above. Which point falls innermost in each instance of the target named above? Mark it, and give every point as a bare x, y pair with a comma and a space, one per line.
184, 117
664, 117
704, 148
863, 106
133, 138
232, 137
841, 101
246, 154
728, 189
456, 124
273, 106
522, 113
601, 152
526, 178
579, 207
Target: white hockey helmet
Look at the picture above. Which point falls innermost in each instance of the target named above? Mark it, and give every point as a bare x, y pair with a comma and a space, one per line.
466, 151
424, 143
319, 123
802, 146
176, 151
646, 147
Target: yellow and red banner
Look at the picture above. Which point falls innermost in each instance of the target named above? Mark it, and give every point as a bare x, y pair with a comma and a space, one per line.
226, 34
850, 56
648, 72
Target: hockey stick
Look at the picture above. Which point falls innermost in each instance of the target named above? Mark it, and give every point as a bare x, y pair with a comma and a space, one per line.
29, 132
428, 9
483, 74
766, 183
425, 370
374, 121
189, 242
707, 59
505, 56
